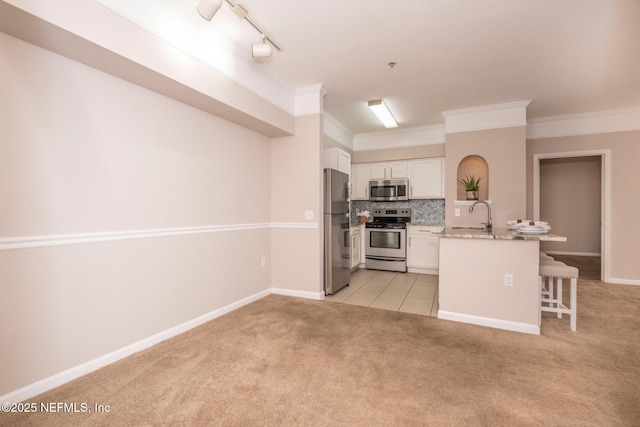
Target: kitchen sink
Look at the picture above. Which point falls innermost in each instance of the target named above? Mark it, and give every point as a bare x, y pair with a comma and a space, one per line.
469, 228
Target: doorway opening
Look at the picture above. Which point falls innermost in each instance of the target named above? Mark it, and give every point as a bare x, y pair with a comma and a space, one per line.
573, 161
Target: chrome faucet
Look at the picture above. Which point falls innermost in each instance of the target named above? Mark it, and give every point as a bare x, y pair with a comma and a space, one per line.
487, 225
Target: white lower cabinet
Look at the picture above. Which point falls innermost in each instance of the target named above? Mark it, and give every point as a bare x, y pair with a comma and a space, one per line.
423, 247
356, 245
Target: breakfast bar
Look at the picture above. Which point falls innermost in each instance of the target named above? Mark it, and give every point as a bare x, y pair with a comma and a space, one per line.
490, 277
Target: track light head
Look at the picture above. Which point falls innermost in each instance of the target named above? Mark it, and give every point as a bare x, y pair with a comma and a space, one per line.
261, 50
208, 8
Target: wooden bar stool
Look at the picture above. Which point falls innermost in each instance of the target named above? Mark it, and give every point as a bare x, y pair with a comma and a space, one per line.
545, 257
545, 288
551, 301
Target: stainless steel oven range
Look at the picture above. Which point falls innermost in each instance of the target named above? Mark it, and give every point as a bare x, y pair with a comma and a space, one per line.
386, 240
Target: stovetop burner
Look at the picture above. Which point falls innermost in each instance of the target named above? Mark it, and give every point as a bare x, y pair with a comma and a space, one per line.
390, 218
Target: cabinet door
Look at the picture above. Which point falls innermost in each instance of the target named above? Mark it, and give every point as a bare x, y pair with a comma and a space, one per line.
389, 170
423, 251
379, 171
360, 181
344, 162
337, 159
426, 178
398, 169
355, 250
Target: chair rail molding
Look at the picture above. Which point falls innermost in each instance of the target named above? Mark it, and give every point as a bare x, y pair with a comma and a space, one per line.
23, 242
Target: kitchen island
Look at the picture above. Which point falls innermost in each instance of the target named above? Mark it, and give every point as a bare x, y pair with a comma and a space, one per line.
490, 278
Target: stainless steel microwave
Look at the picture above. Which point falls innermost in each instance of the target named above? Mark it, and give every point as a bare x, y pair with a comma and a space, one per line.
381, 190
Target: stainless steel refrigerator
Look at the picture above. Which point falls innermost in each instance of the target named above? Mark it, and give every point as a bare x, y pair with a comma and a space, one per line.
337, 240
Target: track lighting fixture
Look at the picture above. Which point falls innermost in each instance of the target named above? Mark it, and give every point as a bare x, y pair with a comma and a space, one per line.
208, 8
382, 112
261, 50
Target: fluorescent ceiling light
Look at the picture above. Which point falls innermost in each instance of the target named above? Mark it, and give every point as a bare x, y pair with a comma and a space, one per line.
383, 113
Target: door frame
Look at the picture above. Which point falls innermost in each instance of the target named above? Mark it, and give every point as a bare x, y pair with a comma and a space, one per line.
605, 201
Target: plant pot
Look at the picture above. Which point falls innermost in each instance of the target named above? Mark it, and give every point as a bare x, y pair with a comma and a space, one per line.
472, 195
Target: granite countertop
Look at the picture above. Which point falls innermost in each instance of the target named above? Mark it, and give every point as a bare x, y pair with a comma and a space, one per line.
499, 233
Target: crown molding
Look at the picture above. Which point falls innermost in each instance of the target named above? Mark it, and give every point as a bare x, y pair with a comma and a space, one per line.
335, 130
309, 100
584, 124
486, 117
399, 138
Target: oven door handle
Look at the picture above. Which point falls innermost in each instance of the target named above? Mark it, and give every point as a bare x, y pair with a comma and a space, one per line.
382, 258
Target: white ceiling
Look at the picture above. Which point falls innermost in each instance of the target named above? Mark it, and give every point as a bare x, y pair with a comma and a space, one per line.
568, 56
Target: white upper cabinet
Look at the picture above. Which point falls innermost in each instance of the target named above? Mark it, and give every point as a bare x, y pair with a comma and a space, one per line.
388, 170
337, 159
360, 177
426, 178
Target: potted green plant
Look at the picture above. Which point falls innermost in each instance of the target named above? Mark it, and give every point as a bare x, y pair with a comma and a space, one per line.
471, 185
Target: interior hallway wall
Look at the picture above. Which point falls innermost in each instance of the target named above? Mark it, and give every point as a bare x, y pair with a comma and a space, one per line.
123, 214
570, 200
625, 227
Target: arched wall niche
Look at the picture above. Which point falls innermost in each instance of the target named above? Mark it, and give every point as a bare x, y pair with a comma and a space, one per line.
477, 166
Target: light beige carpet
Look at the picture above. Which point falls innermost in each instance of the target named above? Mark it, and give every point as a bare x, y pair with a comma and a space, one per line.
589, 266
283, 361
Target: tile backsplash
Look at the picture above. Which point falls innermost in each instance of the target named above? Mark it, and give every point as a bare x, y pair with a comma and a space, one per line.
428, 212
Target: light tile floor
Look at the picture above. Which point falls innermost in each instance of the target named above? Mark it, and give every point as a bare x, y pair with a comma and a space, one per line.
406, 292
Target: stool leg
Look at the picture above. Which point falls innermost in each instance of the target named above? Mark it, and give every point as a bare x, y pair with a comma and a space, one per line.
540, 279
574, 302
550, 286
559, 294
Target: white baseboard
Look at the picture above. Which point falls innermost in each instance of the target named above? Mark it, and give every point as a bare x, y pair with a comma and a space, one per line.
63, 377
492, 323
299, 294
624, 281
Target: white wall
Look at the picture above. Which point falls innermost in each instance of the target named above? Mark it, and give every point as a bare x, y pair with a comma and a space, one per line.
504, 149
84, 155
624, 148
471, 283
297, 186
570, 200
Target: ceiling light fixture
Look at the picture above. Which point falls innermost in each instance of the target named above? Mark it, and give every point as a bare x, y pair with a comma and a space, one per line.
261, 50
382, 112
208, 8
